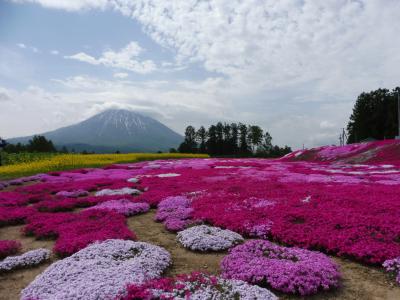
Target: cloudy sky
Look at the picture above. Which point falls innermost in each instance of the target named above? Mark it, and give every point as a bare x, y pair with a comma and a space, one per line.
295, 67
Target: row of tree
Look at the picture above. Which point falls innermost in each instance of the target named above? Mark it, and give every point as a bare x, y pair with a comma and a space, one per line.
38, 143
235, 139
375, 115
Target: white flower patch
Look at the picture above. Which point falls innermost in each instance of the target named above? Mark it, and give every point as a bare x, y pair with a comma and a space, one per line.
166, 175
133, 180
28, 259
99, 271
205, 238
123, 191
306, 199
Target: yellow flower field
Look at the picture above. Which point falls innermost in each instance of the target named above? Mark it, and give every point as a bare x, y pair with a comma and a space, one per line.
76, 161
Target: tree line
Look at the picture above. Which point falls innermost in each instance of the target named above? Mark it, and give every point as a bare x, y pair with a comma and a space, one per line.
38, 143
235, 139
375, 115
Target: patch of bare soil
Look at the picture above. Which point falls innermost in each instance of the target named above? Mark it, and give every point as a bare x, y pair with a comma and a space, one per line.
359, 282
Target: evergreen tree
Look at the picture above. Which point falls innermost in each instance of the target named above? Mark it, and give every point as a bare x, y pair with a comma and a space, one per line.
255, 135
40, 144
227, 149
219, 130
189, 145
234, 138
201, 136
243, 145
212, 140
374, 116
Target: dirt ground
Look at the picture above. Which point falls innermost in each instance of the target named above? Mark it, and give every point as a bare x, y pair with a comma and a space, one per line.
359, 282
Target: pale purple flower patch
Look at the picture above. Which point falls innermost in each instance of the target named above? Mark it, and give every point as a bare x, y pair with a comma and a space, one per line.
175, 213
393, 266
99, 271
208, 238
28, 259
73, 194
123, 206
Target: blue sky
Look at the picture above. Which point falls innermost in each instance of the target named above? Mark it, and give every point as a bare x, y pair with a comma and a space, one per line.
295, 67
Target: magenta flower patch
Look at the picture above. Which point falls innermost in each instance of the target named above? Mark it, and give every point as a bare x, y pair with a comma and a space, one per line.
75, 231
290, 270
8, 247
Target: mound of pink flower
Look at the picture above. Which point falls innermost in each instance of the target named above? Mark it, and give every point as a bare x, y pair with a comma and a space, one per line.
289, 270
174, 212
75, 231
393, 266
123, 206
9, 247
196, 286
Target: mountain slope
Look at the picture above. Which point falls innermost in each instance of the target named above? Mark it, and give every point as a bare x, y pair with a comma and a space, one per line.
113, 130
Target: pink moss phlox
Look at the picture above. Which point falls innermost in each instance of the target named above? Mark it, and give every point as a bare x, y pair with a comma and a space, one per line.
393, 266
99, 271
195, 286
290, 270
9, 247
175, 212
123, 206
15, 215
75, 231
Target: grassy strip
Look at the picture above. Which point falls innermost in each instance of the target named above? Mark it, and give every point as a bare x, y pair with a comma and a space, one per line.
76, 161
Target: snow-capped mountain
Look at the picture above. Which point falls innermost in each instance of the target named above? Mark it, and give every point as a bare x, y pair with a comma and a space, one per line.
113, 130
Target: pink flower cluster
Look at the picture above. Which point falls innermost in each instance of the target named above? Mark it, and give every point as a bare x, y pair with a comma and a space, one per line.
195, 286
76, 231
290, 270
8, 247
174, 212
393, 266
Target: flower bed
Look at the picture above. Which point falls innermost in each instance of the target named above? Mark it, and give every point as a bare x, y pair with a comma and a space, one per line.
290, 270
15, 215
75, 231
123, 206
28, 259
196, 286
8, 247
174, 212
100, 271
393, 266
206, 238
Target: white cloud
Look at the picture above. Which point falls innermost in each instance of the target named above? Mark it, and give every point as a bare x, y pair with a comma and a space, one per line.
293, 66
121, 75
54, 52
126, 58
21, 45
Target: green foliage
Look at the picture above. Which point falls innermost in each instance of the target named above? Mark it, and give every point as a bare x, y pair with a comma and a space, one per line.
374, 116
